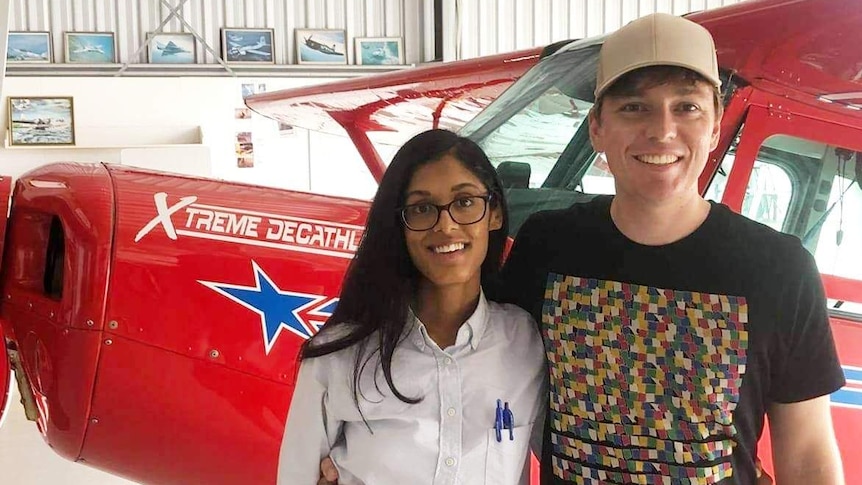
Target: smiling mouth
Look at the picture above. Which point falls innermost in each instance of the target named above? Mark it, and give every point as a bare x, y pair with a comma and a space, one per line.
658, 159
449, 248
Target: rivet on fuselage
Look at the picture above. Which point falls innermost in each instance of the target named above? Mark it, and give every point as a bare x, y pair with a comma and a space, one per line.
214, 354
90, 323
113, 324
109, 342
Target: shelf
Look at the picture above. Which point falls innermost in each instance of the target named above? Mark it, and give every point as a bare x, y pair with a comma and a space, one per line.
106, 137
191, 70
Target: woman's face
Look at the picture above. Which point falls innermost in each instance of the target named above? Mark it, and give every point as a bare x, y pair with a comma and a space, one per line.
449, 253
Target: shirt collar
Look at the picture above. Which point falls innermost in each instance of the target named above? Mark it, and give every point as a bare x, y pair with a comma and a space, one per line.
471, 330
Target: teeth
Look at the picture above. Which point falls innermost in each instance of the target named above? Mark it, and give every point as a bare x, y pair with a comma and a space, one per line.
657, 159
448, 249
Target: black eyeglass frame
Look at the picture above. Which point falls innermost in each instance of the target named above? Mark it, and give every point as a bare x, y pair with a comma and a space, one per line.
486, 198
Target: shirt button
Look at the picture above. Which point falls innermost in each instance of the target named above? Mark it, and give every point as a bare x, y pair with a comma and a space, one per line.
450, 412
448, 361
450, 462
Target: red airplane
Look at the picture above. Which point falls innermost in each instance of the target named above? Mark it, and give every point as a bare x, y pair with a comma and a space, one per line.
152, 321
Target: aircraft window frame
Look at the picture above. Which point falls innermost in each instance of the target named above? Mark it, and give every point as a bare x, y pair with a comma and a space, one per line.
814, 166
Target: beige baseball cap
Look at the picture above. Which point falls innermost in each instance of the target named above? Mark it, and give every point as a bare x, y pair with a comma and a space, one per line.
658, 39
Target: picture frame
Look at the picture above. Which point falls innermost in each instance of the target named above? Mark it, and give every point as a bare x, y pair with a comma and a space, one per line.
171, 48
41, 120
379, 51
27, 47
90, 47
252, 46
320, 46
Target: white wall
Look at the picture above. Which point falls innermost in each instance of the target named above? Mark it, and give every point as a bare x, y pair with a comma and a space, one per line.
163, 115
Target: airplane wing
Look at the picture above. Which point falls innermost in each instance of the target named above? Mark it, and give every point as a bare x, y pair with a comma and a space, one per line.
401, 103
439, 95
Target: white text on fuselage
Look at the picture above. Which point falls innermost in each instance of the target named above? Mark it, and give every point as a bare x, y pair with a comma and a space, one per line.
252, 228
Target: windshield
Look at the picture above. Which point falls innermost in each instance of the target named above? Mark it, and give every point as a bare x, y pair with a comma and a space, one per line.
536, 136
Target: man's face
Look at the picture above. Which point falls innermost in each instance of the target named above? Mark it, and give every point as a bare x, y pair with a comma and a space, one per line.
657, 140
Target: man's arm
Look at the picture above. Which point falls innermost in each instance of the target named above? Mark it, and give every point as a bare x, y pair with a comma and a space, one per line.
309, 430
804, 449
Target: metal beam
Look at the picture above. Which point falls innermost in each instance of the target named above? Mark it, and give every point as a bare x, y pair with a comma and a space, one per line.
147, 39
200, 39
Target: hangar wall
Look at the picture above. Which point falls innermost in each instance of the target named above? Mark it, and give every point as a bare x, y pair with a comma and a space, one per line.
482, 27
131, 20
470, 28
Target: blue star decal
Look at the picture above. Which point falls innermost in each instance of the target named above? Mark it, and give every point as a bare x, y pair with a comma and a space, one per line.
278, 309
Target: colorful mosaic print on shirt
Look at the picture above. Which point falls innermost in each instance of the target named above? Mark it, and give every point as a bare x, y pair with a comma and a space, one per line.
644, 381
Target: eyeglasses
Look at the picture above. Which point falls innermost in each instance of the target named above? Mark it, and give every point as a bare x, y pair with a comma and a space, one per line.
463, 210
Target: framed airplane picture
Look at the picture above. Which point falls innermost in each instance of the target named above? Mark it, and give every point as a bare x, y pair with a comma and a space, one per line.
171, 49
41, 121
320, 46
379, 51
28, 47
247, 45
90, 47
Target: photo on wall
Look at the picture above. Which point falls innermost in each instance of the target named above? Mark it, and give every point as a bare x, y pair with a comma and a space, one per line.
320, 46
171, 49
247, 90
41, 121
244, 150
90, 47
379, 51
247, 45
28, 47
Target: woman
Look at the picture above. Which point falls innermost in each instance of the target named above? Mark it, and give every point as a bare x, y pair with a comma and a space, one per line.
417, 378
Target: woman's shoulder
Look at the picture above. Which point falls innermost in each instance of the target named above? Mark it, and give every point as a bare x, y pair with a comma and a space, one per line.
507, 311
513, 320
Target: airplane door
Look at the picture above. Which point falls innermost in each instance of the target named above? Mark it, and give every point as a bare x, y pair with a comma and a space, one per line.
5, 364
798, 170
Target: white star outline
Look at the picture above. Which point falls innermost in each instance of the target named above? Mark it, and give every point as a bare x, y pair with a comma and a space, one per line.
258, 272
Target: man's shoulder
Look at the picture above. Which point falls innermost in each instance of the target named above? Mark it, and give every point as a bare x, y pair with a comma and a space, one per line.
756, 236
562, 218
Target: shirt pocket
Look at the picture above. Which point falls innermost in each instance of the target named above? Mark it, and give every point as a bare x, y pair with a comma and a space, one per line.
506, 460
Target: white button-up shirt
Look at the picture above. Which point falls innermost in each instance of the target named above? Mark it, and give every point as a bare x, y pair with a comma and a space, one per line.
448, 437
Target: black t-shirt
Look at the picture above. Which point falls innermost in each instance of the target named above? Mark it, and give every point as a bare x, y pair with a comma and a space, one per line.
664, 359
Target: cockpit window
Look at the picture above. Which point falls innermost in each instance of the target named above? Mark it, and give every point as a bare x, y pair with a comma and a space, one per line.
534, 121
536, 134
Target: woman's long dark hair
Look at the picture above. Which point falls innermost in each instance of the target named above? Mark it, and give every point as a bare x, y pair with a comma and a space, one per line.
381, 280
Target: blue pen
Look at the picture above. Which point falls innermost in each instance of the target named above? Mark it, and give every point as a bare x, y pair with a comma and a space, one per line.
509, 421
498, 421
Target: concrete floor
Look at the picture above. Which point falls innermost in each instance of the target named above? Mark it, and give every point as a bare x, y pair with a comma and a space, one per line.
25, 459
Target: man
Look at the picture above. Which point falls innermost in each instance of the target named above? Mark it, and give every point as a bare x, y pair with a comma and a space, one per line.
671, 324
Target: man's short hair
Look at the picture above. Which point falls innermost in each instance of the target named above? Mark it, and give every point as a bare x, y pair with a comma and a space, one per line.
634, 82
